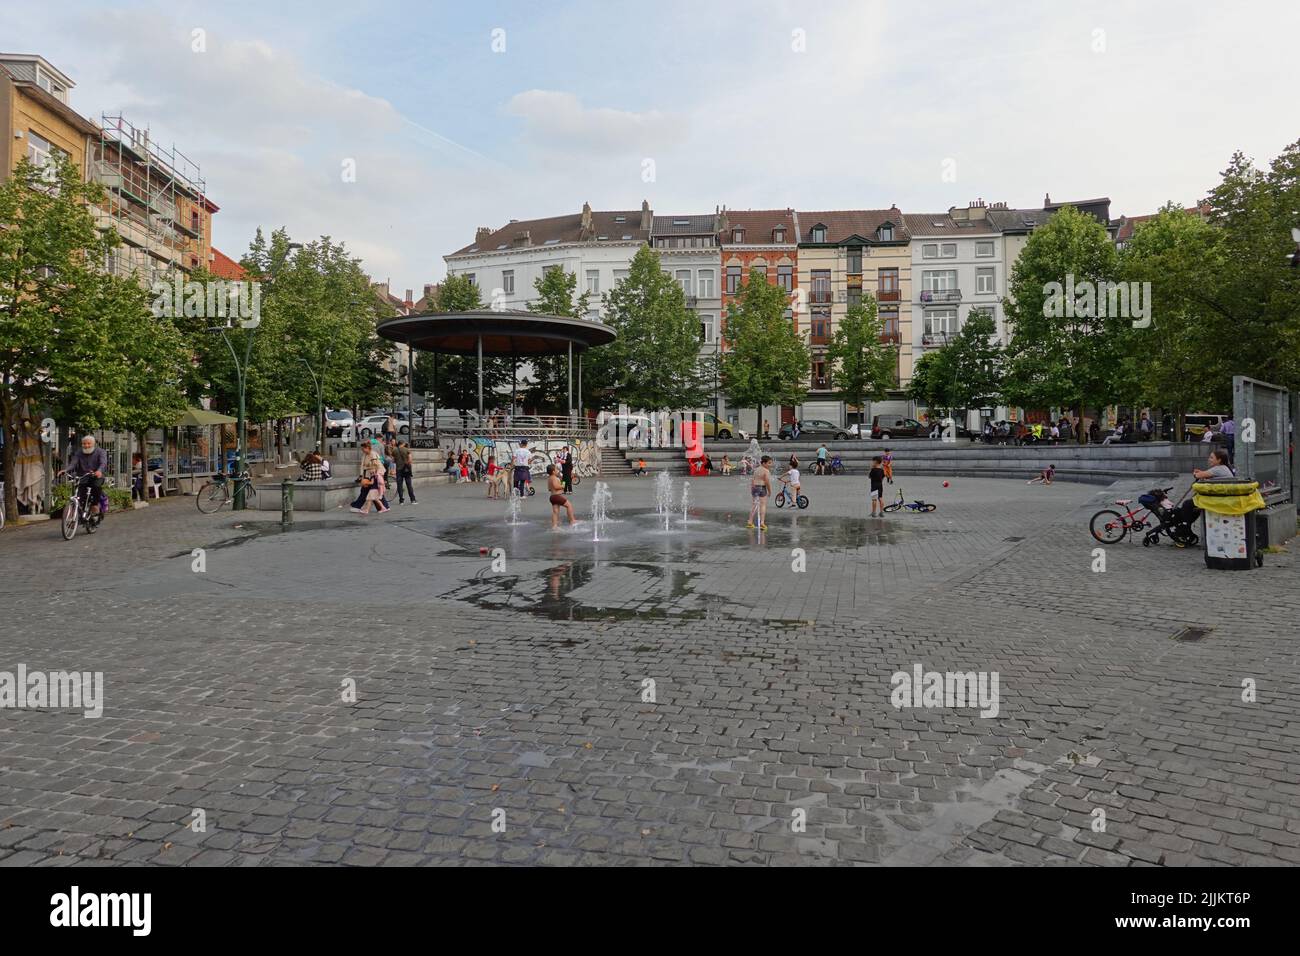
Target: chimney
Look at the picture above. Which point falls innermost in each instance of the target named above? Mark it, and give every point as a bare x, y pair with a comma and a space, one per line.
409, 300
1047, 200
958, 214
647, 217
481, 233
724, 221
587, 231
522, 239
429, 288
978, 211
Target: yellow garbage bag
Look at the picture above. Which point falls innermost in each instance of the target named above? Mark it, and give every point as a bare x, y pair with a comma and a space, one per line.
1227, 499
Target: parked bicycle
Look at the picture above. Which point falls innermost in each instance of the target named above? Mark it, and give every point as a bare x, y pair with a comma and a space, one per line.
81, 511
916, 505
220, 490
1111, 527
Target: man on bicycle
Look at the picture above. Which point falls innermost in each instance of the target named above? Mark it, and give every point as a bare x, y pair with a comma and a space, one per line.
90, 463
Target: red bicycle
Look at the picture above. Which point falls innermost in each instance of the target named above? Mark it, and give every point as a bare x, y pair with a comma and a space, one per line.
1110, 527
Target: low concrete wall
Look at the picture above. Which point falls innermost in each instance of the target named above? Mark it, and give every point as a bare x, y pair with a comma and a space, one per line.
328, 495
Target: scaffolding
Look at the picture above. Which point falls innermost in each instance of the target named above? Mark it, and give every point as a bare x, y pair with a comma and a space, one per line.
155, 201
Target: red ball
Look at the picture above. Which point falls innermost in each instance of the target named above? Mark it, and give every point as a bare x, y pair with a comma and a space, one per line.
482, 550
945, 484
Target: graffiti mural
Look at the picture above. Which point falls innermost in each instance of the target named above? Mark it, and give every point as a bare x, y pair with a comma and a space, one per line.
543, 452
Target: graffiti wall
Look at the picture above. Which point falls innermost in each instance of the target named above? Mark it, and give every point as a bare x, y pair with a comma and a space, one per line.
543, 452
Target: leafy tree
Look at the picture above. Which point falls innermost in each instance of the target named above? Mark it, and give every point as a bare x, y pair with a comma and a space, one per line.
932, 378
70, 333
457, 378
654, 364
557, 294
864, 367
766, 361
975, 362
1063, 352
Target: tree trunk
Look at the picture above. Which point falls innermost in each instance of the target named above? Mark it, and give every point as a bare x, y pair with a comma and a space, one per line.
7, 406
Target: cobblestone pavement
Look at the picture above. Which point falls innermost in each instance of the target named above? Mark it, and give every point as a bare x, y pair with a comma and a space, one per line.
518, 694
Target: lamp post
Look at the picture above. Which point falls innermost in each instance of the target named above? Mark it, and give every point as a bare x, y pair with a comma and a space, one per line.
320, 398
241, 426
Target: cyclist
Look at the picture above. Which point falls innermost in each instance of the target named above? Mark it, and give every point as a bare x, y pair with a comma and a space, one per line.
90, 463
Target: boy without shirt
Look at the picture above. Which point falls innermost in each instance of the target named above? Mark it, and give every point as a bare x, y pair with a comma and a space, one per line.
760, 487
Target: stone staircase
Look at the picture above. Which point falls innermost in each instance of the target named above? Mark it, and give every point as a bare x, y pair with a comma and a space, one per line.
614, 464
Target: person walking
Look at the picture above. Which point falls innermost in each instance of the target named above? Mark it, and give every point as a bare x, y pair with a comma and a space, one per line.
405, 472
520, 457
367, 470
558, 502
566, 469
760, 487
877, 478
390, 428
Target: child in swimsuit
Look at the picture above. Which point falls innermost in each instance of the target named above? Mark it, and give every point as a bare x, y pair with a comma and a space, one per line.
760, 486
556, 486
887, 464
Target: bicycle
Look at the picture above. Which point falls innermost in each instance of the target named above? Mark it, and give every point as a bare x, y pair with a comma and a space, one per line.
917, 506
1113, 527
217, 492
78, 511
782, 499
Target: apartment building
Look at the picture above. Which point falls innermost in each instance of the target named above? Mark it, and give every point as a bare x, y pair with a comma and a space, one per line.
36, 121
597, 247
688, 249
846, 256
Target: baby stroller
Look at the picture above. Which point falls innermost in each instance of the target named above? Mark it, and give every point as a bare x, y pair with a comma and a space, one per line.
1175, 521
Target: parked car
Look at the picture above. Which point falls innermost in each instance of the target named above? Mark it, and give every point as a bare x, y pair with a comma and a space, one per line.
337, 421
712, 427
895, 427
814, 428
1194, 426
372, 426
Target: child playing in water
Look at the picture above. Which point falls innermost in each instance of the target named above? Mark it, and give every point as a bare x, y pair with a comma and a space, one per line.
555, 485
887, 463
760, 486
726, 464
1045, 476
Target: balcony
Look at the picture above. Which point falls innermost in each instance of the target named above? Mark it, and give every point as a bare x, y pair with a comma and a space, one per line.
941, 295
815, 338
819, 297
935, 338
886, 295
820, 383
891, 338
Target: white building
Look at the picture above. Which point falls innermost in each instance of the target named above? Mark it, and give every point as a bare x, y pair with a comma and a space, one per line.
597, 247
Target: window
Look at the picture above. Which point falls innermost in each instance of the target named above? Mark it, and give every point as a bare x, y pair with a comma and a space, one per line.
788, 315
984, 279
940, 322
738, 235
939, 280
984, 248
508, 281
40, 150
785, 277
948, 250
593, 281
683, 278
887, 279
819, 234
930, 250
762, 271
708, 325
704, 284
886, 233
889, 323
620, 275
733, 280
196, 224
855, 295
547, 270
473, 279
821, 286
778, 234
820, 379
855, 260
820, 325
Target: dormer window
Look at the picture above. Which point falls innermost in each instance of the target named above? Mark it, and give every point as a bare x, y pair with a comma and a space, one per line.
886, 233
738, 235
778, 234
819, 233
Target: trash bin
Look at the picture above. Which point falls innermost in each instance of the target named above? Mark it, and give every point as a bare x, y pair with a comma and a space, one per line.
1231, 536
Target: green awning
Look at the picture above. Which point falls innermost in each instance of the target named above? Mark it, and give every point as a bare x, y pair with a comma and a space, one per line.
201, 416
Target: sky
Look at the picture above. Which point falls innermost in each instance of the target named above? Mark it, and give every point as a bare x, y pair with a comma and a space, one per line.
400, 127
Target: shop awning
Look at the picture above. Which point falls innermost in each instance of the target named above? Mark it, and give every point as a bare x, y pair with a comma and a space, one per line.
201, 416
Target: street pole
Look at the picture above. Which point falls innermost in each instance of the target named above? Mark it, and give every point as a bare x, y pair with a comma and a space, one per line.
480, 379
241, 382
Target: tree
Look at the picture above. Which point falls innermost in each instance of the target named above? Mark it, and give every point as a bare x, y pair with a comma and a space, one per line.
864, 368
932, 377
975, 362
1063, 352
766, 361
456, 383
557, 294
70, 333
654, 364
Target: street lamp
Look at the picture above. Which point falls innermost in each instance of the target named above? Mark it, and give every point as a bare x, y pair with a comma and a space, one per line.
241, 381
320, 397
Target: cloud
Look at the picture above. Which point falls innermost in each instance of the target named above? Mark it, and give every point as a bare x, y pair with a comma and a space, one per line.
554, 119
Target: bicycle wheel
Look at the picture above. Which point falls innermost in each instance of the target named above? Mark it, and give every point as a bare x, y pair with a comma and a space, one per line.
1108, 527
531, 491
896, 506
92, 520
779, 500
69, 523
577, 480
802, 501
211, 497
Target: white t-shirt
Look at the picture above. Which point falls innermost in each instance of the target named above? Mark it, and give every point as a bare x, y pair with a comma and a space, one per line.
793, 475
521, 457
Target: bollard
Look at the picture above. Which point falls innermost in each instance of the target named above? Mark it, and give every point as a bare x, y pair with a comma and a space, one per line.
286, 503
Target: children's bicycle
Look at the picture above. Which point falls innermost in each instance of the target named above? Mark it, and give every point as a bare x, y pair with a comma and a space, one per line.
1110, 527
916, 506
784, 498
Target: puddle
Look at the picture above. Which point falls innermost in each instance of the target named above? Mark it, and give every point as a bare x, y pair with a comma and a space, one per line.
256, 530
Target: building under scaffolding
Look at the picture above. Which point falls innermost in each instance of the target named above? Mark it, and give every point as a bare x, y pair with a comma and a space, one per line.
155, 201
